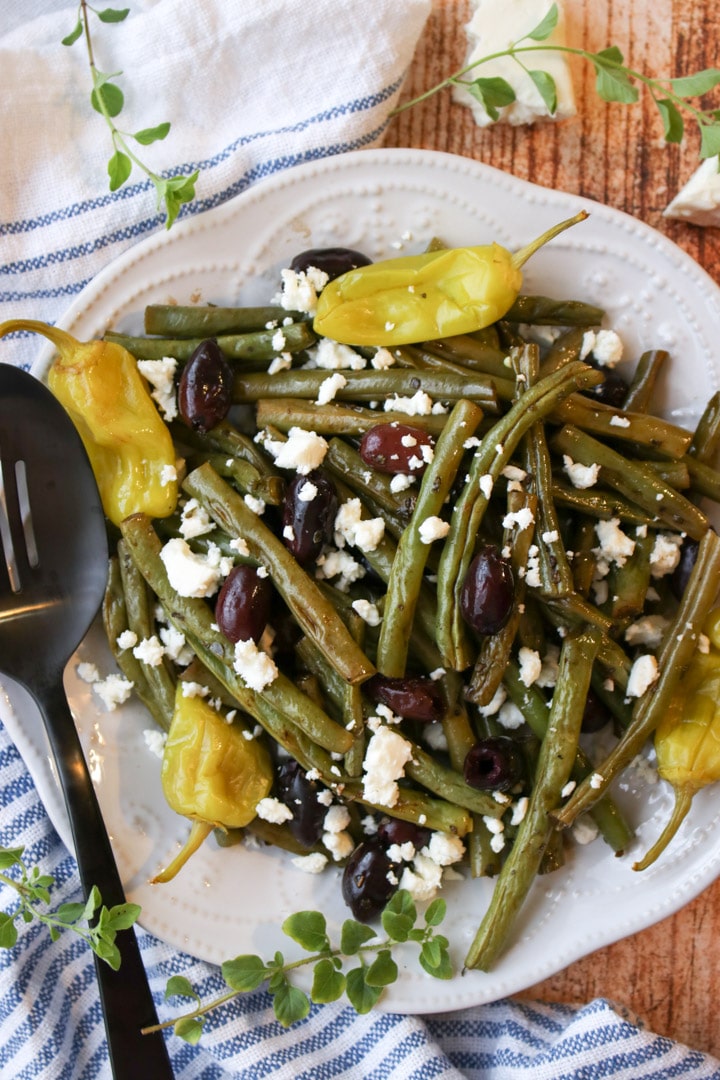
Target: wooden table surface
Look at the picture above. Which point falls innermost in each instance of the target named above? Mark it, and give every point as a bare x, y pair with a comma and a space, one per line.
615, 154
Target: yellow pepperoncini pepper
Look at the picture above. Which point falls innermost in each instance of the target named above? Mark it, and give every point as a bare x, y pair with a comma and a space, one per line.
687, 742
129, 446
211, 773
420, 297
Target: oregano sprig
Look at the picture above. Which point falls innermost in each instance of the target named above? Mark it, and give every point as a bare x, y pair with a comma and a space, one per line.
96, 924
614, 82
362, 984
108, 99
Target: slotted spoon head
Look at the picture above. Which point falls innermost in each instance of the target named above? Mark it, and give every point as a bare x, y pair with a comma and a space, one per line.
54, 545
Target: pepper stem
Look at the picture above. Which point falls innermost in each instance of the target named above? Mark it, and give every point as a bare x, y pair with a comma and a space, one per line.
521, 257
60, 338
198, 833
683, 800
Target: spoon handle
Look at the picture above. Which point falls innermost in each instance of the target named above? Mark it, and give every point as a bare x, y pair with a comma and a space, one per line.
125, 994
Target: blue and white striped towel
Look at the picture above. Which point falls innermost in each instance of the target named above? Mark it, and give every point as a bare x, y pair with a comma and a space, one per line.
265, 85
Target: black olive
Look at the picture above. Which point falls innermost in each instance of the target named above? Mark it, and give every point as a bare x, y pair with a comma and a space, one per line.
395, 448
415, 697
242, 608
612, 391
369, 880
205, 390
334, 261
595, 714
493, 764
683, 570
301, 796
308, 521
487, 594
394, 831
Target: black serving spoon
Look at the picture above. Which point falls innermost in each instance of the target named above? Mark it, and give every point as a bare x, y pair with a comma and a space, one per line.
52, 580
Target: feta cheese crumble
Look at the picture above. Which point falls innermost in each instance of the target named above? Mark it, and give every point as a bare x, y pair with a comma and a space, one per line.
643, 674
303, 450
433, 528
161, 376
255, 668
385, 758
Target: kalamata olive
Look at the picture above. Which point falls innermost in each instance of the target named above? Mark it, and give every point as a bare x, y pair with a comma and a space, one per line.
309, 512
301, 796
396, 448
394, 831
205, 390
414, 696
612, 391
683, 570
366, 887
334, 261
493, 764
487, 594
242, 608
595, 714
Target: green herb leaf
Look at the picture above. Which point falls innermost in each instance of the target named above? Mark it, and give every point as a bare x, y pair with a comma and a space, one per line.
277, 980
69, 913
383, 971
174, 192
436, 912
328, 983
611, 82
151, 135
673, 125
107, 951
290, 1004
123, 916
354, 935
179, 986
545, 28
545, 85
244, 972
442, 970
309, 930
112, 15
119, 168
10, 857
696, 85
73, 35
493, 94
107, 98
92, 903
8, 932
709, 141
361, 996
189, 1029
399, 916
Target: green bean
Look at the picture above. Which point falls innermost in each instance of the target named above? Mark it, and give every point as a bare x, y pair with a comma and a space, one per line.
335, 419
468, 351
642, 430
584, 561
629, 583
704, 480
600, 504
313, 613
636, 482
345, 463
557, 754
416, 806
491, 457
115, 621
206, 320
195, 619
226, 439
484, 862
244, 477
365, 386
141, 620
564, 350
257, 345
412, 552
674, 655
612, 698
543, 311
555, 574
644, 379
419, 359
706, 437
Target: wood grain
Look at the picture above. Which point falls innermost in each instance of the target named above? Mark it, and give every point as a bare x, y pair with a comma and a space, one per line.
615, 154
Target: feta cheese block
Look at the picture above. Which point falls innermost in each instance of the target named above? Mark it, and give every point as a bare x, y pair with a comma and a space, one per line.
493, 27
699, 201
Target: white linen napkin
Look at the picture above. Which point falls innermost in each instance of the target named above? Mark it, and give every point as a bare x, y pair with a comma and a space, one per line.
251, 87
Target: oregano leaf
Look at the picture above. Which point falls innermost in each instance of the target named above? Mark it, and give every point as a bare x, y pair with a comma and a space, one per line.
69, 913
119, 168
432, 953
436, 911
8, 931
277, 981
544, 29
92, 903
179, 986
612, 83
443, 970
151, 135
361, 996
123, 916
545, 85
493, 93
110, 95
73, 35
290, 1004
698, 84
107, 951
399, 916
112, 15
709, 141
10, 857
245, 972
673, 126
353, 935
383, 971
189, 1029
328, 983
308, 929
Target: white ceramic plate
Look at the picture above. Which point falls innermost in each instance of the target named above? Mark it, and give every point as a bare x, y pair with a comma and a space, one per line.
227, 902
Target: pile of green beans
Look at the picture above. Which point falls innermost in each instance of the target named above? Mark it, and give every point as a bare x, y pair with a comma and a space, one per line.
512, 404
